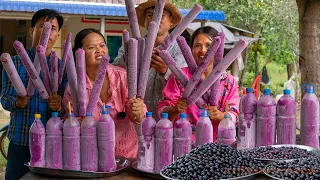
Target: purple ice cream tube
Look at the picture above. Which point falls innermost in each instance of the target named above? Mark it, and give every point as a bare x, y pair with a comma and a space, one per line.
145, 64
187, 54
66, 48
54, 71
201, 68
13, 74
133, 20
43, 41
34, 75
216, 72
213, 100
126, 38
81, 72
132, 68
181, 27
178, 73
141, 46
95, 92
158, 11
73, 81
44, 67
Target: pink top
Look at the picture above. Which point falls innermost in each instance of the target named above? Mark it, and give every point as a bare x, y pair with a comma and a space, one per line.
228, 90
126, 138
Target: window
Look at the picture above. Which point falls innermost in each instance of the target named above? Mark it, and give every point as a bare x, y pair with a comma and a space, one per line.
114, 42
1, 44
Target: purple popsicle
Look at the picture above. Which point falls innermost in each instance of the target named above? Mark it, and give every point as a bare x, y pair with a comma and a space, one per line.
13, 74
132, 68
181, 27
217, 58
201, 68
44, 67
141, 46
145, 65
34, 75
81, 72
133, 20
95, 92
73, 81
126, 38
216, 72
66, 48
54, 71
158, 11
187, 54
44, 37
178, 73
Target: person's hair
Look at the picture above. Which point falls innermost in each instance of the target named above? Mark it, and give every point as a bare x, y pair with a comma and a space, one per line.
78, 40
48, 14
208, 30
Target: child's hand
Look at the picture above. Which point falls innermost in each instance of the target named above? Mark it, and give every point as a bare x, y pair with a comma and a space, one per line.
214, 113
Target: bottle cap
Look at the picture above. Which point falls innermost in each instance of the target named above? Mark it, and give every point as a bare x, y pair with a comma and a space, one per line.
286, 91
164, 115
308, 88
266, 91
205, 113
89, 114
183, 115
38, 116
226, 115
249, 90
54, 114
149, 114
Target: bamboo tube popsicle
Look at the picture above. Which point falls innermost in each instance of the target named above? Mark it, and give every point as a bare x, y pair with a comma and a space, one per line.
213, 98
72, 80
44, 38
132, 68
81, 72
201, 68
34, 75
158, 11
181, 27
54, 71
187, 54
126, 38
66, 48
44, 67
133, 20
13, 74
141, 46
178, 73
95, 92
145, 64
216, 72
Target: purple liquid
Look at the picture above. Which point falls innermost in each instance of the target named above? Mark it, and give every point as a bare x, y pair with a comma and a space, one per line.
286, 120
71, 144
89, 147
164, 143
204, 131
54, 143
310, 120
37, 144
266, 121
106, 143
182, 133
247, 122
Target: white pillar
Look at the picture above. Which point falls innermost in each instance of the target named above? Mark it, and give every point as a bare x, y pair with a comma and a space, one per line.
102, 26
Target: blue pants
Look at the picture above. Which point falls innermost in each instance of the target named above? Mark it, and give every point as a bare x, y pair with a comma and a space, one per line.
17, 156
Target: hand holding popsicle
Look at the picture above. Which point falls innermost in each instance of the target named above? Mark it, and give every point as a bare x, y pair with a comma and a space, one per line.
214, 113
136, 110
54, 102
157, 62
181, 105
22, 101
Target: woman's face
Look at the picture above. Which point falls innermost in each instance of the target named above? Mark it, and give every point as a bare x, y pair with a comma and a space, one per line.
94, 48
201, 44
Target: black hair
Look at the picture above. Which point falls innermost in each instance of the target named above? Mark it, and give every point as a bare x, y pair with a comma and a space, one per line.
208, 30
81, 35
47, 14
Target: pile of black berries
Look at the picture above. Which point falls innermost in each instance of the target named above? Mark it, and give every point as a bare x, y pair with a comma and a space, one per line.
279, 153
308, 168
213, 161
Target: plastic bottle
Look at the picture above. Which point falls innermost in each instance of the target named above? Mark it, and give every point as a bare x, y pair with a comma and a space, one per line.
106, 141
164, 143
266, 120
88, 144
226, 131
37, 136
54, 142
204, 129
310, 117
247, 121
71, 143
286, 119
182, 134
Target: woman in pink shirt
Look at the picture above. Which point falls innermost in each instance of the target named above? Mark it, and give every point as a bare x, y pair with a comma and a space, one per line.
173, 104
114, 93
